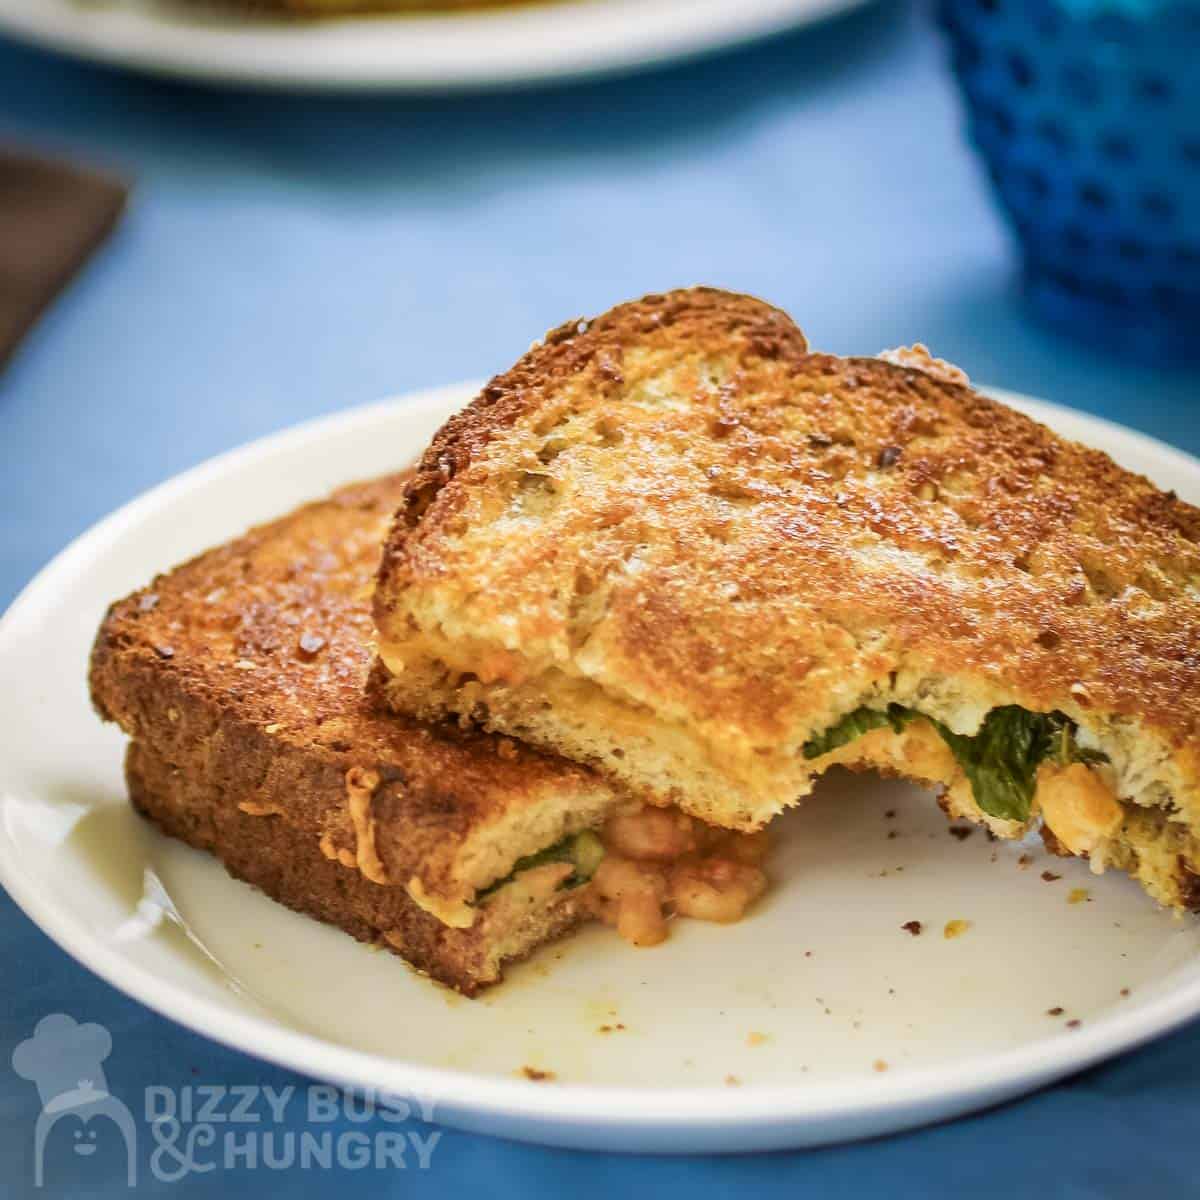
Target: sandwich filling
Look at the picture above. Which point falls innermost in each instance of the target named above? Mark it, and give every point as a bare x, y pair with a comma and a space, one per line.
644, 866
1002, 760
1015, 767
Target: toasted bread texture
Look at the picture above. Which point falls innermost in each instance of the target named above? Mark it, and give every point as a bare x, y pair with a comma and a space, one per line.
241, 678
676, 544
188, 802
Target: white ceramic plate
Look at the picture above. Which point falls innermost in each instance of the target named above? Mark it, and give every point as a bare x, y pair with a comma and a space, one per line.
425, 52
823, 969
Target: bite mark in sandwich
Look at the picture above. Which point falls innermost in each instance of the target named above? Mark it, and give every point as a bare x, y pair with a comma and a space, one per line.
676, 544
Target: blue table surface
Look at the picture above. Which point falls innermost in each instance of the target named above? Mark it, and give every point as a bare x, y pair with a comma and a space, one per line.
284, 257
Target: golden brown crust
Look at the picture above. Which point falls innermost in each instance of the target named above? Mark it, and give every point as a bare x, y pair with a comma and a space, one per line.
802, 526
247, 667
194, 803
591, 352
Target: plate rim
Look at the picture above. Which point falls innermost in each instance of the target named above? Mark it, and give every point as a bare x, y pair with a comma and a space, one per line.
569, 1113
570, 54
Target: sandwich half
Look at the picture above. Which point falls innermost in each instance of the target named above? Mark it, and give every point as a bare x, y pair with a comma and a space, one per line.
241, 679
675, 544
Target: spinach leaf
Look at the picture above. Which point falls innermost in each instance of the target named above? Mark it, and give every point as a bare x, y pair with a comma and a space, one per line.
854, 725
1000, 760
1065, 750
582, 850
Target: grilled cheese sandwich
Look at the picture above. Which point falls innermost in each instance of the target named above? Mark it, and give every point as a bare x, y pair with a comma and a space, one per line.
241, 677
675, 544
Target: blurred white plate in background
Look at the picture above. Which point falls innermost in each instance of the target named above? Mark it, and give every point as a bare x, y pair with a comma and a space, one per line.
419, 52
817, 1019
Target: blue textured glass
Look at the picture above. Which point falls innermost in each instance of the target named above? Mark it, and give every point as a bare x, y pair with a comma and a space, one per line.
1087, 113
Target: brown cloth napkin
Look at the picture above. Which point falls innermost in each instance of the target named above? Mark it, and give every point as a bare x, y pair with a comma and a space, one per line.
52, 216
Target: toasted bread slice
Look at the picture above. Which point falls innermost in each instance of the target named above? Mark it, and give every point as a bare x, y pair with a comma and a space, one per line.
191, 803
241, 676
674, 543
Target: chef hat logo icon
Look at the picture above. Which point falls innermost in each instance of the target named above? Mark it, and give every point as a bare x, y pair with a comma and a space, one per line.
65, 1060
